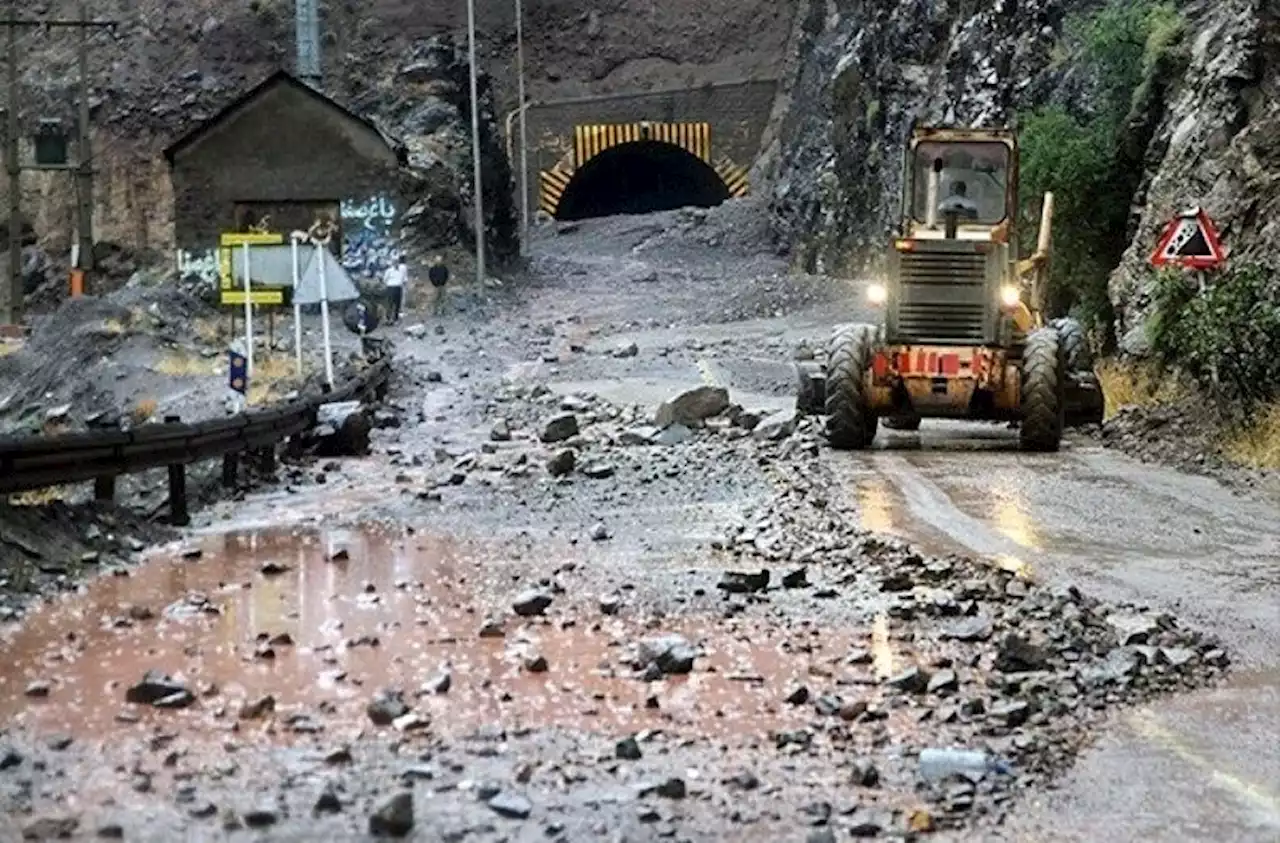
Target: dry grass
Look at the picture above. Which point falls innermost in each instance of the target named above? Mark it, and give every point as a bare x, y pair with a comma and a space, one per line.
1136, 385
143, 410
212, 330
1257, 444
39, 497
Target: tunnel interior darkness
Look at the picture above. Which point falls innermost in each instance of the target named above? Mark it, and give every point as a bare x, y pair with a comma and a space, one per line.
638, 178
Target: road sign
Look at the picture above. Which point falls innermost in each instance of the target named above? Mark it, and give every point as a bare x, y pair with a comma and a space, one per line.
1190, 241
262, 296
238, 375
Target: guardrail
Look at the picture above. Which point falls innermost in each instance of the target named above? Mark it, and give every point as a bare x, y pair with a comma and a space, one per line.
36, 462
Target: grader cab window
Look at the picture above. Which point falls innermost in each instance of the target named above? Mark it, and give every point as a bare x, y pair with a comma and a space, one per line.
969, 178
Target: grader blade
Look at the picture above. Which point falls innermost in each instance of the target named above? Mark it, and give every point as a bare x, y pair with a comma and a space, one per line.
811, 391
1085, 402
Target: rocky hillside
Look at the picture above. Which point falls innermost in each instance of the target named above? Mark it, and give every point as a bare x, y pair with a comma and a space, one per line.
167, 66
1197, 125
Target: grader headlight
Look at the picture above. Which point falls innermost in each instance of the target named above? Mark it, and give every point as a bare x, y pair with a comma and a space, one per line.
877, 293
1010, 296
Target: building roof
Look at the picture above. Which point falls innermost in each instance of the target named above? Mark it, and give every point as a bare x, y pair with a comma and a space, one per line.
246, 99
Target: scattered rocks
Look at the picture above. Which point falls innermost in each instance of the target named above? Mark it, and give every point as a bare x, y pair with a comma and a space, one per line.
562, 463
742, 582
669, 654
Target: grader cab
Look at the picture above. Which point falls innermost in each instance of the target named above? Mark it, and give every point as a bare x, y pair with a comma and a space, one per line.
961, 332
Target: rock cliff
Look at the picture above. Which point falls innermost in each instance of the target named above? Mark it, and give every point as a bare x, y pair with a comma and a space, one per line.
1205, 135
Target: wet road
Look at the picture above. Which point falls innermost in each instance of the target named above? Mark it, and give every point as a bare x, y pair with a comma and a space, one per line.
1200, 766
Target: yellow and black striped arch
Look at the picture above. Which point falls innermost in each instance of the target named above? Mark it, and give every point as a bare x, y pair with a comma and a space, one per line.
591, 139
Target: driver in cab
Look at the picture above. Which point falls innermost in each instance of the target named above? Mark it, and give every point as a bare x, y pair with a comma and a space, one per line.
959, 203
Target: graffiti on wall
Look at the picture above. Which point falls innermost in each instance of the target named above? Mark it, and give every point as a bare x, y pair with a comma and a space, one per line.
369, 242
198, 263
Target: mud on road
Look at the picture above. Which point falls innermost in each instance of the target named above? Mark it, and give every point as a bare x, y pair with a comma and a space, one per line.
535, 614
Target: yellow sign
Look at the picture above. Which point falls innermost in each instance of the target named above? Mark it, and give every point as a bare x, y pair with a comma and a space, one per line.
264, 296
227, 243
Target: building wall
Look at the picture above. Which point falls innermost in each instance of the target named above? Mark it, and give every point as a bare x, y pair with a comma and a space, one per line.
291, 157
736, 111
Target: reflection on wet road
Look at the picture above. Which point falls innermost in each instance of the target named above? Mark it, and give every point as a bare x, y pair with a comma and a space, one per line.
324, 620
1130, 532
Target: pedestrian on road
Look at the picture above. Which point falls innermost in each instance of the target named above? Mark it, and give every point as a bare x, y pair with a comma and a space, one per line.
438, 275
394, 278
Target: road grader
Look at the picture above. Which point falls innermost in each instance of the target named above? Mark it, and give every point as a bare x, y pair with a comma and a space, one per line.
962, 331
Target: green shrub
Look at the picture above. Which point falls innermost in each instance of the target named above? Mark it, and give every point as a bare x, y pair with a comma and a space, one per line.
1226, 335
1085, 160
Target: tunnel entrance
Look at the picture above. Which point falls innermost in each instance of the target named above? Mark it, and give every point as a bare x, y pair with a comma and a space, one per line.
640, 177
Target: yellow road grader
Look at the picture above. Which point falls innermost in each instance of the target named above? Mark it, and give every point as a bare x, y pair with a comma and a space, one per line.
962, 332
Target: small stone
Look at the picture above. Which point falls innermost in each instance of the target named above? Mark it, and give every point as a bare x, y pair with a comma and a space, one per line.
562, 463
393, 817
111, 831
912, 680
943, 682
51, 828
629, 349
597, 470
799, 696
273, 569
261, 817
610, 604
628, 749
743, 582
976, 628
39, 689
532, 602
599, 532
671, 654
797, 578
1132, 628
775, 427
259, 708
865, 774
154, 686
510, 805
672, 788
501, 431
178, 699
559, 428
1013, 712
536, 664
386, 707
1018, 655
9, 758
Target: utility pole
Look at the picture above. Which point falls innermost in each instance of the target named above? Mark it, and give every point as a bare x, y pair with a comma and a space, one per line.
475, 144
524, 138
11, 305
307, 41
12, 301
84, 152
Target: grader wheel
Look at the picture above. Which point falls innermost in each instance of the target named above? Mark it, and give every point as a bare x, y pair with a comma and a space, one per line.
850, 424
1044, 377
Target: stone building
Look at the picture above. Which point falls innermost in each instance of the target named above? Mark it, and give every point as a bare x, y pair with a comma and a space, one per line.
278, 158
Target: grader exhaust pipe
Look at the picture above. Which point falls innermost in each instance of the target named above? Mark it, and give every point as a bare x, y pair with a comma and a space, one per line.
1040, 260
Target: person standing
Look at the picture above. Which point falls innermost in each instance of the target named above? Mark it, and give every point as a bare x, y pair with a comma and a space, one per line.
394, 278
438, 275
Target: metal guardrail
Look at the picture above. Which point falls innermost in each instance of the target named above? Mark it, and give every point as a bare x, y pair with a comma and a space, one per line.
37, 462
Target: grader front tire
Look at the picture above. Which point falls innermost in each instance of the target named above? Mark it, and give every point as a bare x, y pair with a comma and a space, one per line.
1044, 376
850, 424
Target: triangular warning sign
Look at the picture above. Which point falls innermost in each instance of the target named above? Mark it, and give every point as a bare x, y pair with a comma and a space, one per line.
1191, 241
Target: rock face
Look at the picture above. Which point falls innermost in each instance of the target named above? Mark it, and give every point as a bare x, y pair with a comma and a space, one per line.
433, 116
867, 70
871, 69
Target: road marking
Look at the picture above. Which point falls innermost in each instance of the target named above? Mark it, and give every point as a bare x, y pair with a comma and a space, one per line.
1146, 725
708, 372
881, 649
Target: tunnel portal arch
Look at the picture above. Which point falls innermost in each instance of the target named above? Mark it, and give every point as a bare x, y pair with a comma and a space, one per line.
640, 176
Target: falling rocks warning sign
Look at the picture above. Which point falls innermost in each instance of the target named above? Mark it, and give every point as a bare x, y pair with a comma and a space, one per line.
1191, 241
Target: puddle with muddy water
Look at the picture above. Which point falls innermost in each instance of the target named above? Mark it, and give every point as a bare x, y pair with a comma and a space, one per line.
393, 613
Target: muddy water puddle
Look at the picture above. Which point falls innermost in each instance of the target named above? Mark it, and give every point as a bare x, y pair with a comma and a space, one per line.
324, 620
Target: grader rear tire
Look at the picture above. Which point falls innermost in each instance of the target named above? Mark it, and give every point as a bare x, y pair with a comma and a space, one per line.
1044, 380
850, 424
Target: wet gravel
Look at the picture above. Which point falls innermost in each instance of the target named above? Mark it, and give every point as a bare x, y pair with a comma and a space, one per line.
537, 612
